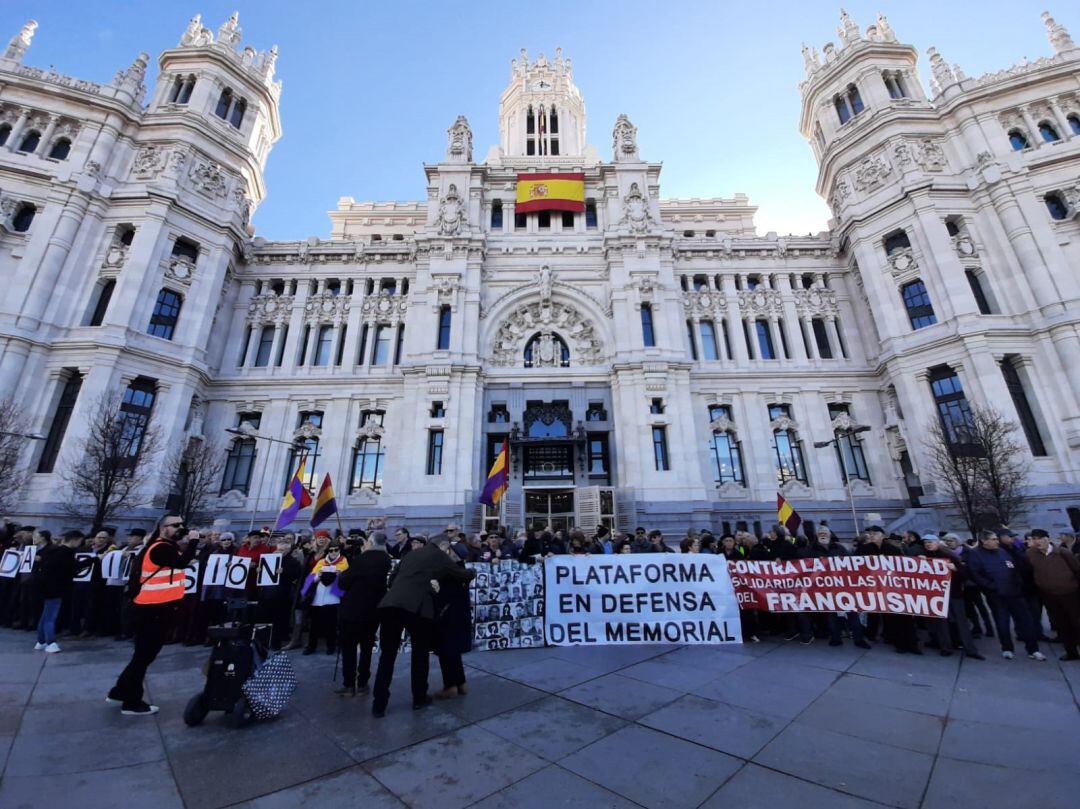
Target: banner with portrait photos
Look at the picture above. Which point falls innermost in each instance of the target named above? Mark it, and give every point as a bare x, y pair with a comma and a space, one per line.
508, 605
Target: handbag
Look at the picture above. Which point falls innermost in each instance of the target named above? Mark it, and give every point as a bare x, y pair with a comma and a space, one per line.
269, 689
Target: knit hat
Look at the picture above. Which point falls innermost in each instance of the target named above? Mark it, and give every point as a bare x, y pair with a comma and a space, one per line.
322, 534
930, 538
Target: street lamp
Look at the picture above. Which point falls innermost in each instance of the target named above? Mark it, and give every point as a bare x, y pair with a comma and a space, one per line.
246, 430
835, 442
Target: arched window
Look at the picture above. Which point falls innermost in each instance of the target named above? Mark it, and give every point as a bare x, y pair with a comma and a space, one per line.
1048, 132
1074, 125
61, 149
266, 346
236, 117
5, 133
185, 91
546, 350
530, 131
223, 104
23, 218
178, 85
30, 141
1056, 205
553, 136
1018, 140
497, 215
166, 313
894, 83
848, 104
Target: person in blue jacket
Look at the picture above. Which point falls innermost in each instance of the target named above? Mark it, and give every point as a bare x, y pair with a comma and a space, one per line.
999, 571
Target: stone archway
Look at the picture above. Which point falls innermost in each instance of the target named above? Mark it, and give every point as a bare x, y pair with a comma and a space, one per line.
528, 318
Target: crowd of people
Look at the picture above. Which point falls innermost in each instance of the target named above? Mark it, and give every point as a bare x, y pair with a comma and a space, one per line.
351, 591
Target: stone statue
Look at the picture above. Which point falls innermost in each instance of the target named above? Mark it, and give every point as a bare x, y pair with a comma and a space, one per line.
269, 60
459, 141
545, 279
810, 59
452, 218
196, 34
16, 49
1057, 34
848, 30
229, 32
942, 74
636, 214
624, 140
884, 29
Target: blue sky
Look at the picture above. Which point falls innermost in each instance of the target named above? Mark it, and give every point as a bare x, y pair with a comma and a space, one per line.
370, 88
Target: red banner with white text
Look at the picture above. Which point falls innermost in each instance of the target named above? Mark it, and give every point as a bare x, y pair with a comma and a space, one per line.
896, 585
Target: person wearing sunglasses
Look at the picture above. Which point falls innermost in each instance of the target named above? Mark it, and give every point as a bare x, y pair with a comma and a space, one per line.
159, 583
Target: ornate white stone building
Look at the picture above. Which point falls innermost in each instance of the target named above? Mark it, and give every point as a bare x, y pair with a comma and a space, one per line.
651, 361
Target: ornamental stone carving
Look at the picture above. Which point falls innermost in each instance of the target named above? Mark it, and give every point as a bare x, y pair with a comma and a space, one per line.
554, 317
843, 423
872, 173
451, 219
624, 140
459, 141
371, 429
16, 49
544, 280
270, 309
704, 303
816, 301
546, 351
783, 424
196, 34
1057, 34
384, 306
149, 162
326, 307
209, 179
930, 156
115, 256
306, 431
446, 288
760, 301
180, 269
636, 213
903, 262
965, 247
722, 424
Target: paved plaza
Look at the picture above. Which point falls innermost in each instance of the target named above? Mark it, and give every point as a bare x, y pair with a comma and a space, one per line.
769, 725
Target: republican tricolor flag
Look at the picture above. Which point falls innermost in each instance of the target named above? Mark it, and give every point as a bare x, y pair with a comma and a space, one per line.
325, 503
788, 516
296, 498
498, 478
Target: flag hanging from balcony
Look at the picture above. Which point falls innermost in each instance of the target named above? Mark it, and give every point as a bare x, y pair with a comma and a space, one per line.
325, 503
498, 478
550, 192
296, 498
789, 517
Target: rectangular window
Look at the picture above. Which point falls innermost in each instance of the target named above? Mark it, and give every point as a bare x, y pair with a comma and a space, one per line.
952, 404
1023, 406
399, 343
520, 221
102, 306
849, 449
709, 349
166, 313
647, 334
821, 338
598, 456
324, 345
369, 457
380, 355
727, 459
496, 215
787, 449
917, 302
434, 452
727, 339
977, 290
766, 351
240, 459
543, 220
266, 346
60, 419
590, 214
660, 451
568, 220
134, 418
445, 317
690, 338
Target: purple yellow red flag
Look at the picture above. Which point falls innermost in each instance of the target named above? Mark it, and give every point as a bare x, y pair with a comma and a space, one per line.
296, 498
325, 503
550, 192
789, 517
498, 478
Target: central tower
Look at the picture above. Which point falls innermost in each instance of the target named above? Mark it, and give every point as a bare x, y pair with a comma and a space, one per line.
541, 112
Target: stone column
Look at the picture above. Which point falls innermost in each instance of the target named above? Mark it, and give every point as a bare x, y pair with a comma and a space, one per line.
806, 326
279, 336
738, 341
1023, 243
1035, 139
777, 341
52, 259
834, 334
15, 135
251, 351
1059, 116
43, 145
795, 346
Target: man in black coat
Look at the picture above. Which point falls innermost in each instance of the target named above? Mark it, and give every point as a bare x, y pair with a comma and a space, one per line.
364, 585
409, 604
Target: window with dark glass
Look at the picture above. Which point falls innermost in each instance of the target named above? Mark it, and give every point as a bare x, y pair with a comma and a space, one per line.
821, 338
361, 349
1023, 407
597, 460
952, 405
690, 339
787, 449
1018, 140
23, 218
31, 140
135, 409
647, 334
727, 458
917, 302
445, 317
590, 214
380, 355
185, 249
849, 449
369, 457
896, 241
437, 410
266, 346
1074, 124
560, 353
656, 406
240, 458
977, 290
1056, 206
339, 355
104, 295
324, 345
435, 452
521, 221
5, 133
60, 149
596, 412
498, 414
166, 313
567, 220
543, 220
1048, 132
223, 104
399, 343
709, 349
766, 350
660, 449
497, 215
61, 417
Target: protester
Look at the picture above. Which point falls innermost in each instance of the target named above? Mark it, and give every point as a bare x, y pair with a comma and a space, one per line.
56, 567
158, 585
363, 586
956, 619
276, 601
453, 628
409, 605
998, 571
322, 595
1056, 573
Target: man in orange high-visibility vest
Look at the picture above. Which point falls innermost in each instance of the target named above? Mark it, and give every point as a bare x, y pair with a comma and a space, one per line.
159, 579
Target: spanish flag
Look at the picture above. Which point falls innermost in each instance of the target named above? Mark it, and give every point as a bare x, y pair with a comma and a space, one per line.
550, 192
296, 498
325, 503
498, 478
789, 517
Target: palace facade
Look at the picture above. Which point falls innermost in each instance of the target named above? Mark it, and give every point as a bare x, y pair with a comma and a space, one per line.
650, 361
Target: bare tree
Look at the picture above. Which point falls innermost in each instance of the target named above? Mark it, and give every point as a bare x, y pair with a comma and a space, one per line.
981, 466
13, 426
953, 466
113, 467
1004, 468
194, 472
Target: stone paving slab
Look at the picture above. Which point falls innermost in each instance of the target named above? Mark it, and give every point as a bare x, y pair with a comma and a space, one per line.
768, 724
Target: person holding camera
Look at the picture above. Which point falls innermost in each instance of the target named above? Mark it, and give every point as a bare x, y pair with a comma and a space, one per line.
158, 588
